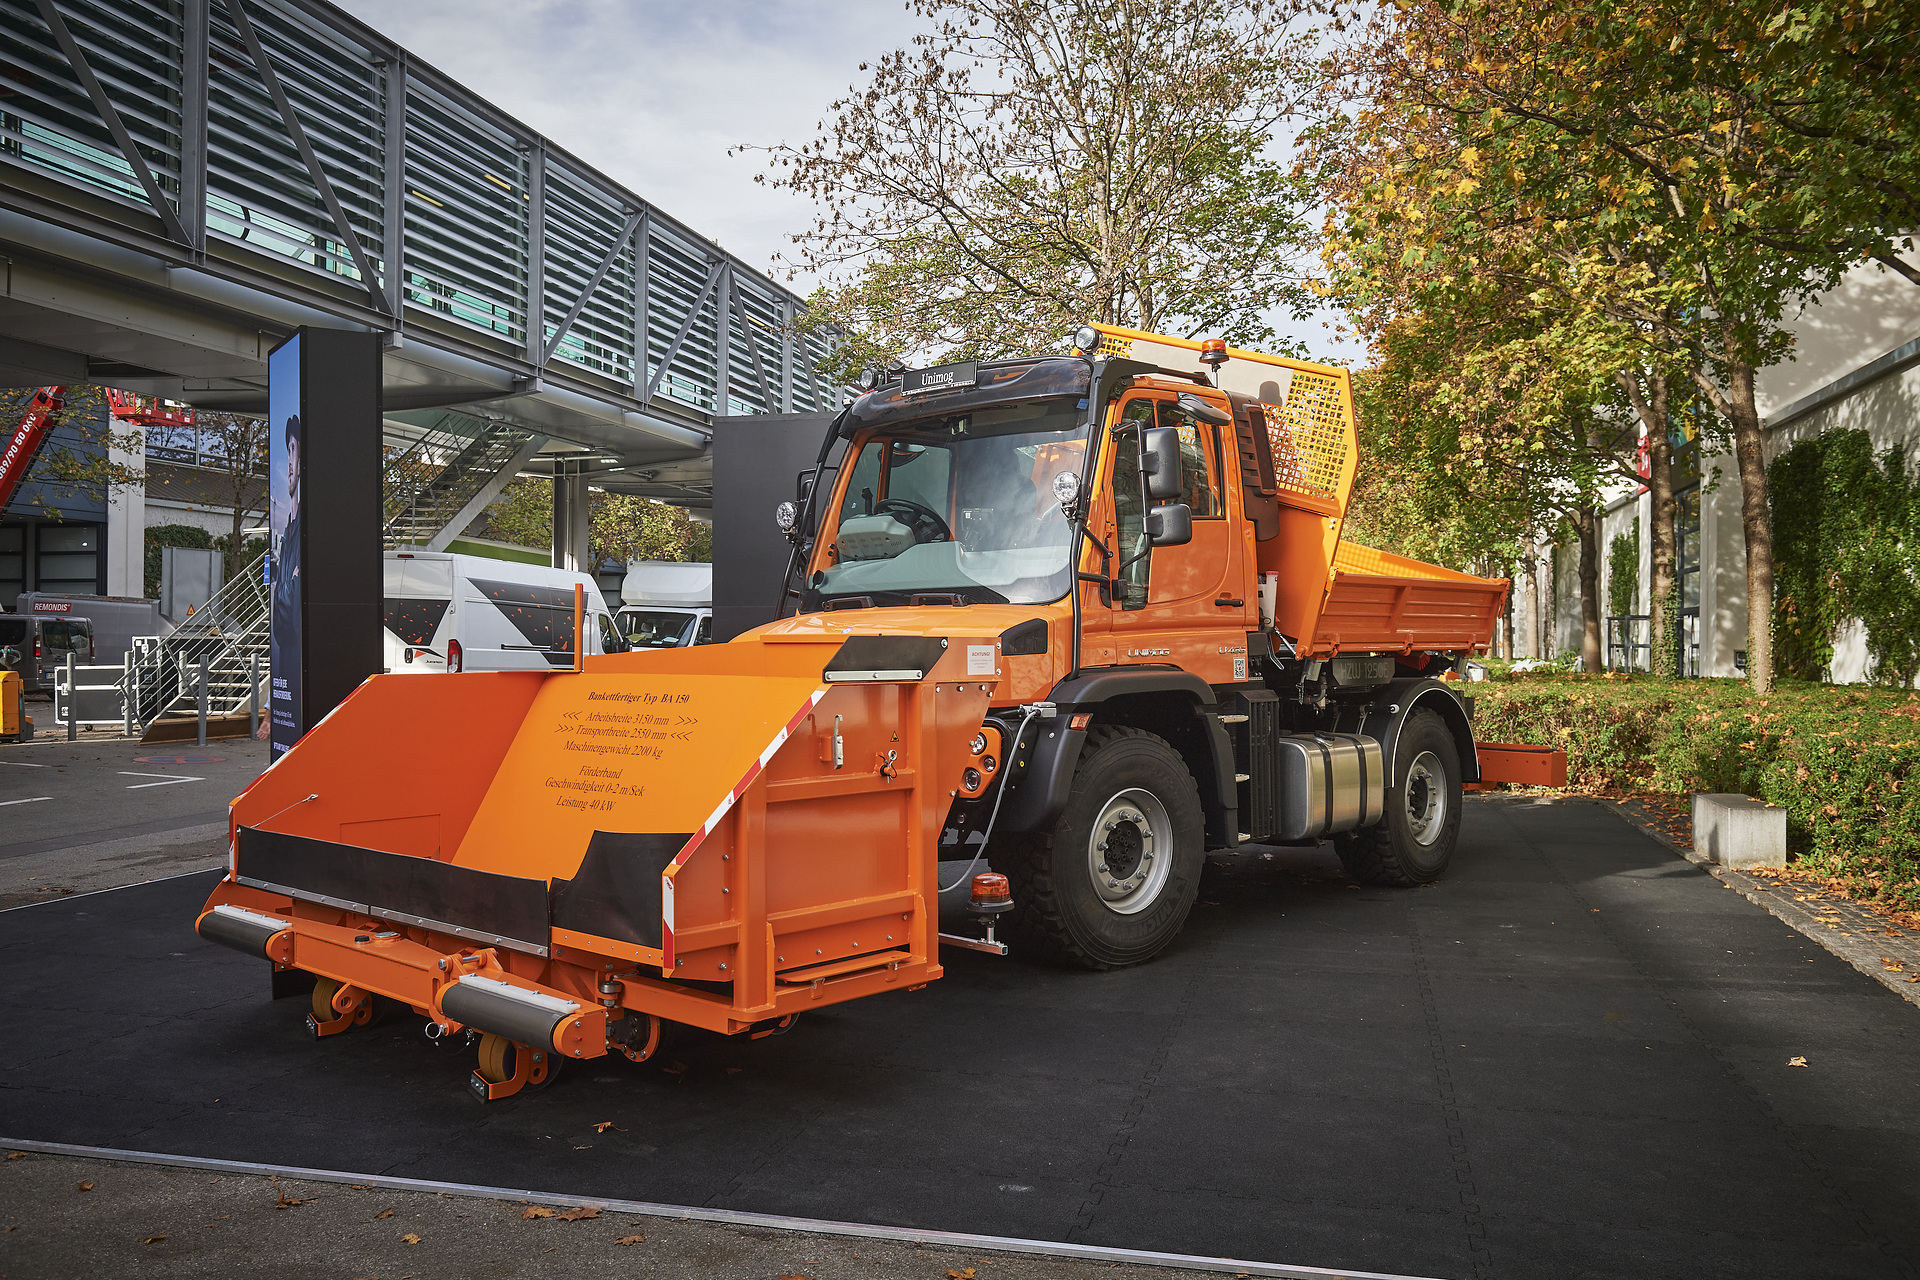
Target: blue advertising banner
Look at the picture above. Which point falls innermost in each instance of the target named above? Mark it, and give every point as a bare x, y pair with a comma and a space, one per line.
284, 524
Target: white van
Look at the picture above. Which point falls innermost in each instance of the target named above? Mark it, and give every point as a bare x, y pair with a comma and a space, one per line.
666, 604
447, 612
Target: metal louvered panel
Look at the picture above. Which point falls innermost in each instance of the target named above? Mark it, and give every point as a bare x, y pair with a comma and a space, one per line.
390, 187
259, 191
466, 217
47, 117
584, 225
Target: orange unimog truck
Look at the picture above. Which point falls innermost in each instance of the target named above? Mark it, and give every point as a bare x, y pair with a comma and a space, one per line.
1072, 621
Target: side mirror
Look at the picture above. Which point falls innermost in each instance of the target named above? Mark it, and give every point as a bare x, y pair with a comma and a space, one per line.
1160, 462
803, 485
1171, 525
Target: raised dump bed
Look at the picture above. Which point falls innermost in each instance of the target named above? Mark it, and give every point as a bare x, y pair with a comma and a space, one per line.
723, 837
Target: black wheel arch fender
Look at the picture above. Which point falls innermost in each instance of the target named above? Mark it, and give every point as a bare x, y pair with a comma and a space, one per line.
1176, 705
1394, 704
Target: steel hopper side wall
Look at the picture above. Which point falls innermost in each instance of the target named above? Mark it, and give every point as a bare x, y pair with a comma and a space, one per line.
400, 766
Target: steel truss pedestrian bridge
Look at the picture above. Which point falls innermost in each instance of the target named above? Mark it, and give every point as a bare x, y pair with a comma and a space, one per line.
183, 182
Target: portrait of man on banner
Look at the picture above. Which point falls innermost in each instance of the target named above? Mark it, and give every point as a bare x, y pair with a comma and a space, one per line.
284, 530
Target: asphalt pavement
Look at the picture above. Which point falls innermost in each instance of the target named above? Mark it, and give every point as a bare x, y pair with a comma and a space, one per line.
1575, 1056
101, 811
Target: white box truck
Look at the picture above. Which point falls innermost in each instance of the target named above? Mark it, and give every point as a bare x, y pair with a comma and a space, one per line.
448, 612
666, 604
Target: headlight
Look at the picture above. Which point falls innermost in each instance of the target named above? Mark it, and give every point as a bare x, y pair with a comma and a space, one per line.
1087, 338
1066, 487
979, 743
786, 515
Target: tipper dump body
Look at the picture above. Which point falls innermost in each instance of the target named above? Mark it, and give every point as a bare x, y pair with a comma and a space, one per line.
1081, 622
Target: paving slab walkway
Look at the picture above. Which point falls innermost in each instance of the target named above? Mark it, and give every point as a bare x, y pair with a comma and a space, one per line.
1568, 1058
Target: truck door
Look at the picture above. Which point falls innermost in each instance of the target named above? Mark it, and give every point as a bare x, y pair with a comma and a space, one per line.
1188, 605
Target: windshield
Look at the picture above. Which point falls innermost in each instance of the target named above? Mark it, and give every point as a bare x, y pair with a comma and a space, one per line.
656, 628
961, 504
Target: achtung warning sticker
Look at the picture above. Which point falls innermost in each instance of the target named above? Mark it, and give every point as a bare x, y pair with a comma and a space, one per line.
980, 660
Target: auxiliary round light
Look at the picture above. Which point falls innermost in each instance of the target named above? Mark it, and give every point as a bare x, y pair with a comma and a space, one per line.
1066, 487
1087, 339
787, 516
979, 743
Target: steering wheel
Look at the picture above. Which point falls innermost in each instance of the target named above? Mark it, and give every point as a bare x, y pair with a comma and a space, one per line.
925, 522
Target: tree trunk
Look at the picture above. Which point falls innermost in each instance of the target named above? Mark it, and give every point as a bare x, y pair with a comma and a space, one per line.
1662, 628
1755, 522
1652, 406
1534, 648
1586, 523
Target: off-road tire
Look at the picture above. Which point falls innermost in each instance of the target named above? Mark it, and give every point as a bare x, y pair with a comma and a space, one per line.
1387, 853
1059, 914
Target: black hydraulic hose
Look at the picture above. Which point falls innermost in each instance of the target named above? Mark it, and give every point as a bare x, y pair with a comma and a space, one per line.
804, 520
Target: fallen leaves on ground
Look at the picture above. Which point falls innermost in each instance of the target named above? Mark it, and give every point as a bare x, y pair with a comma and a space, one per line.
1796, 1061
384, 1213
601, 1126
288, 1202
16, 1155
410, 1238
960, 1275
83, 1186
153, 1240
631, 1240
536, 1211
1892, 965
577, 1215
675, 1068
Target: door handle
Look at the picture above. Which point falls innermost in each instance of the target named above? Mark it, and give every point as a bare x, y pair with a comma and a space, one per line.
1224, 603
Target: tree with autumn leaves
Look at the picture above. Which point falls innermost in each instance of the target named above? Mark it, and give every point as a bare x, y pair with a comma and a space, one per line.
1669, 178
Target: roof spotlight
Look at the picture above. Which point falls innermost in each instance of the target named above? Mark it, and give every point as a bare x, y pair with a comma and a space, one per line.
1086, 339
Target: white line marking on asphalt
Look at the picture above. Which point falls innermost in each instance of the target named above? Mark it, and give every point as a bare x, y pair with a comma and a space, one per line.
171, 778
29, 800
22, 764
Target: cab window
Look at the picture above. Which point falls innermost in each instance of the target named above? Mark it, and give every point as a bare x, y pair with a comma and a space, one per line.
1133, 557
1199, 476
918, 473
863, 484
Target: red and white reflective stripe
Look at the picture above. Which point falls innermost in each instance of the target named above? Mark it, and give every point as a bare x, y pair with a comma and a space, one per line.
713, 820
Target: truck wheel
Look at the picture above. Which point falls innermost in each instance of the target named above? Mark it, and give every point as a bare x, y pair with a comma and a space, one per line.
1114, 881
1413, 842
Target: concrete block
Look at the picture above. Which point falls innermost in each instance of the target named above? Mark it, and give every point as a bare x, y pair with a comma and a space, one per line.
1739, 831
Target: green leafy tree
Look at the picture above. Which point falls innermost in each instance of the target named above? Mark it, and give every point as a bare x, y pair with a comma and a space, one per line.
1025, 168
1668, 140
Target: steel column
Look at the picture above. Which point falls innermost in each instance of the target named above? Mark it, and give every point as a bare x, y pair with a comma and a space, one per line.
642, 282
395, 226
786, 356
194, 44
536, 250
723, 342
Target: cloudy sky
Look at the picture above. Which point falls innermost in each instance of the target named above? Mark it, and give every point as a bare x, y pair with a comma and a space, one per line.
654, 92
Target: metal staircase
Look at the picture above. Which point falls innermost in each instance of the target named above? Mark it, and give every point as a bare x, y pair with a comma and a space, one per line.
230, 632
436, 484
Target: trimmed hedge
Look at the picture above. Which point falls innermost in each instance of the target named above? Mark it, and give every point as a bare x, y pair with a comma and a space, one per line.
1841, 761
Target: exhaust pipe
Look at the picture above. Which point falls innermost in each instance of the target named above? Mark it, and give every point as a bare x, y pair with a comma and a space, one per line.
523, 1016
239, 928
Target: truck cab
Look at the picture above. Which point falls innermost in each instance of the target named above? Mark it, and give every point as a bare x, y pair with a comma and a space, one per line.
1189, 658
